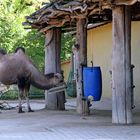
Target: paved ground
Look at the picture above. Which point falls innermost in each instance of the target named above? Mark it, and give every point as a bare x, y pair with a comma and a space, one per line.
66, 125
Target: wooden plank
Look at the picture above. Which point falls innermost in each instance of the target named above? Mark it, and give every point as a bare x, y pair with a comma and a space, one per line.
81, 38
121, 66
52, 64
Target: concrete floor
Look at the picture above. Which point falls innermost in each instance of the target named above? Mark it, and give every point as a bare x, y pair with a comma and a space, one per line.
66, 125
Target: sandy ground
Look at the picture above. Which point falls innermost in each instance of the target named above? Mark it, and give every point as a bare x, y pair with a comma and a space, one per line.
65, 125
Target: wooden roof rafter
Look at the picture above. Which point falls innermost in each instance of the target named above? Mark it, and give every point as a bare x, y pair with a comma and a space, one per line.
64, 13
60, 13
124, 2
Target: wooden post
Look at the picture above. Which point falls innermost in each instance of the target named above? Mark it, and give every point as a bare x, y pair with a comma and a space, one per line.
121, 66
81, 38
52, 64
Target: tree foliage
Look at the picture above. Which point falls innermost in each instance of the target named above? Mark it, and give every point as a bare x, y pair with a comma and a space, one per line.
13, 34
67, 43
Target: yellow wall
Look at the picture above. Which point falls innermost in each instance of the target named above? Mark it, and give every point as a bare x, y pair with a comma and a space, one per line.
136, 58
65, 66
100, 49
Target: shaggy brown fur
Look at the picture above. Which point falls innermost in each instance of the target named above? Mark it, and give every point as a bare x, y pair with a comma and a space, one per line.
18, 69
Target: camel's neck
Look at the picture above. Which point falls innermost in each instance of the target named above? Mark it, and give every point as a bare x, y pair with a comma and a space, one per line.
37, 79
42, 82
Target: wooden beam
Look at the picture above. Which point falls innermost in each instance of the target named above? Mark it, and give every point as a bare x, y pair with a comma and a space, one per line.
52, 64
81, 38
50, 52
121, 66
124, 2
61, 13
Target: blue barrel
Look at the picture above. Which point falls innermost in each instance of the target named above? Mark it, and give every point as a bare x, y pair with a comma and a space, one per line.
92, 82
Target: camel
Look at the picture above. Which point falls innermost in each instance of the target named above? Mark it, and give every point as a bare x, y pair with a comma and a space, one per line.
18, 69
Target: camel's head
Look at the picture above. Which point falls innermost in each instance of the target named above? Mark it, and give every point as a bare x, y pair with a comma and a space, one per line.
55, 78
59, 77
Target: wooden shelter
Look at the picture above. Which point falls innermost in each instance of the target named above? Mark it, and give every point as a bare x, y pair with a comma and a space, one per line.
65, 15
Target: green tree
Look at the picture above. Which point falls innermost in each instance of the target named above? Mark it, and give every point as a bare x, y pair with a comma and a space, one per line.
67, 43
34, 44
13, 34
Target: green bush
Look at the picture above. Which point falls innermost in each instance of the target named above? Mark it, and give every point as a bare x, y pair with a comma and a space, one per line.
10, 95
34, 93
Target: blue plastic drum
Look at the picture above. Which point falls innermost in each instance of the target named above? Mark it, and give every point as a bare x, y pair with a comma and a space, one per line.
92, 81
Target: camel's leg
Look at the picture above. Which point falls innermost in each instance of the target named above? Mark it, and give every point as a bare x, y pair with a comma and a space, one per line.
20, 101
21, 87
24, 86
27, 97
28, 105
